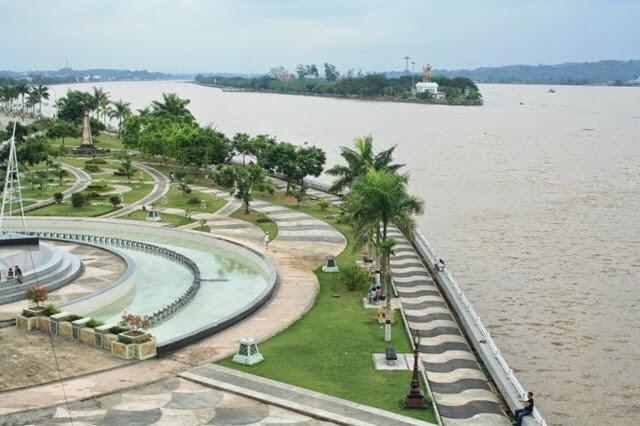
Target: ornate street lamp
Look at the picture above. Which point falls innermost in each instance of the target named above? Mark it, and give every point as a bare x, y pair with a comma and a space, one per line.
415, 397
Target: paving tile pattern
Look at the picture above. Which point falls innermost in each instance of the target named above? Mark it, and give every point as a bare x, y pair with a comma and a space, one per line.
173, 401
461, 391
160, 188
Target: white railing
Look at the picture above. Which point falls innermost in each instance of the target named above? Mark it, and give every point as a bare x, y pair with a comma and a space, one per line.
420, 240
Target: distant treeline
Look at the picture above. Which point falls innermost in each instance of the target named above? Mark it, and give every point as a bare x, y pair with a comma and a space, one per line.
69, 75
601, 72
457, 91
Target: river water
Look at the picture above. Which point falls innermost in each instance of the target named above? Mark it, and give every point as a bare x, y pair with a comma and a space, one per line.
532, 199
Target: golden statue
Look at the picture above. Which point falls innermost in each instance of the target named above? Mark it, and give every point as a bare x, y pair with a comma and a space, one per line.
426, 73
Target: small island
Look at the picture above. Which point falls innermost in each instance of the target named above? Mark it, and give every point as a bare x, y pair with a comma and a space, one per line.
375, 86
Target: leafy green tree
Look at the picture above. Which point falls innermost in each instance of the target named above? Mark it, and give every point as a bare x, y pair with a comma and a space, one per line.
359, 161
310, 162
330, 72
32, 152
78, 199
241, 144
72, 106
61, 129
243, 181
126, 168
41, 177
58, 197
115, 200
281, 158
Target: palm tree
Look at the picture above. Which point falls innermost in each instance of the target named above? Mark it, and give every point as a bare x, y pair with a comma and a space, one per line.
21, 89
359, 160
98, 98
171, 104
377, 199
120, 111
41, 92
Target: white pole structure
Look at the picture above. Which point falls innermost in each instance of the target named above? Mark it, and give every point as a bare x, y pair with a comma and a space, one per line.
12, 183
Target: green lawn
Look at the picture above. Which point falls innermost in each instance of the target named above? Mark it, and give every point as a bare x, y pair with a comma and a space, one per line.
171, 219
259, 219
101, 141
138, 191
66, 209
37, 194
205, 228
176, 200
329, 349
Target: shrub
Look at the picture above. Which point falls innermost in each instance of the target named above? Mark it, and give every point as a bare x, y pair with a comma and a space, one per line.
57, 197
93, 195
99, 185
189, 180
93, 323
354, 277
36, 294
51, 309
91, 168
323, 204
193, 200
96, 161
74, 317
115, 200
27, 314
78, 199
118, 329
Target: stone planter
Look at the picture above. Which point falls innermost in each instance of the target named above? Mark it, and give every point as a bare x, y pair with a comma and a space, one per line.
26, 323
65, 329
122, 350
88, 336
100, 332
134, 337
55, 319
43, 323
77, 325
145, 350
108, 339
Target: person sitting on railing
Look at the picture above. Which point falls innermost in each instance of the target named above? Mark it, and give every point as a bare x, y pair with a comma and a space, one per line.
10, 274
18, 273
525, 411
439, 266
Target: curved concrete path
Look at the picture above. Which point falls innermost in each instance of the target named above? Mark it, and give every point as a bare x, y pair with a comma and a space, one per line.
295, 258
160, 188
461, 391
83, 179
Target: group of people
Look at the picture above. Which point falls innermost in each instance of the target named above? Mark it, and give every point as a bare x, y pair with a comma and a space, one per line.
15, 272
375, 294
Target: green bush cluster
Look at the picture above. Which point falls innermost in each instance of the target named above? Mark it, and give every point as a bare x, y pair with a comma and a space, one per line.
354, 277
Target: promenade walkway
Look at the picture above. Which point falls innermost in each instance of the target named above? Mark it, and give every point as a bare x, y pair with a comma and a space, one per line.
461, 391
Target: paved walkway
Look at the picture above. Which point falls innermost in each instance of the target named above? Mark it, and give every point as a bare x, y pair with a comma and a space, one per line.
461, 391
160, 188
83, 179
298, 399
169, 402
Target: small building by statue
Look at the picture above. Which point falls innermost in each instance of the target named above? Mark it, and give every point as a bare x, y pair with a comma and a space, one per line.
426, 85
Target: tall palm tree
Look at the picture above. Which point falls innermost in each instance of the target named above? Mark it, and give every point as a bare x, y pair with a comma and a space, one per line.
21, 89
171, 104
98, 98
41, 92
359, 160
379, 198
120, 111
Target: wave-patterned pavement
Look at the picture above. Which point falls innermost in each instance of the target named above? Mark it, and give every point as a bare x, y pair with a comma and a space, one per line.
460, 389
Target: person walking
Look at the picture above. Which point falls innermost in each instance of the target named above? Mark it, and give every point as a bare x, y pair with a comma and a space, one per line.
266, 239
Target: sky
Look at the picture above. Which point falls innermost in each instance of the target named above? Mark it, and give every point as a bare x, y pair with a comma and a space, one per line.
251, 36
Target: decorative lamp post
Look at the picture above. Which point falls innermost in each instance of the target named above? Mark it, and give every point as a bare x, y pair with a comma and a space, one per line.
415, 398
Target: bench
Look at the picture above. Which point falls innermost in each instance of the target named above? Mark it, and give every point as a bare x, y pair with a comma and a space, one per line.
391, 356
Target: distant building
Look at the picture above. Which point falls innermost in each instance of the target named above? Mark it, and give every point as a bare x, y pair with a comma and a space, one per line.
427, 86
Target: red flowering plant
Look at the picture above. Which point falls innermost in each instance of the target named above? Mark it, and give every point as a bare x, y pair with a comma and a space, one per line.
36, 294
136, 323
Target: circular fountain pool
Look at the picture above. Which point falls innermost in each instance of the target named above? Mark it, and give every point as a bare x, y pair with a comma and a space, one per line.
234, 280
